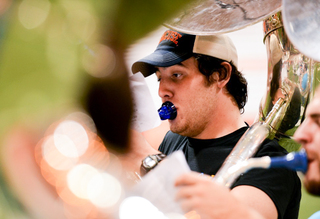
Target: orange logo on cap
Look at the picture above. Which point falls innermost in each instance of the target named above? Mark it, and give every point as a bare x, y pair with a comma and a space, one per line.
171, 36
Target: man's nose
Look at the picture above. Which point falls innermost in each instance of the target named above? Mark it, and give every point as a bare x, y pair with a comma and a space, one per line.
164, 90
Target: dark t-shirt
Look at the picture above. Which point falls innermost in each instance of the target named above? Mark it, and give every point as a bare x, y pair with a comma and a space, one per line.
207, 156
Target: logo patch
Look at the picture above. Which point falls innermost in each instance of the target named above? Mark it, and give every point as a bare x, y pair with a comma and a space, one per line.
171, 36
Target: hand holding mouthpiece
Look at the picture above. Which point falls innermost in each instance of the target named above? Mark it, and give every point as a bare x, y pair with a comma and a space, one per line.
167, 111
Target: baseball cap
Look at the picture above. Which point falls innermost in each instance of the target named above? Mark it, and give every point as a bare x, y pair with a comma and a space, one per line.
175, 47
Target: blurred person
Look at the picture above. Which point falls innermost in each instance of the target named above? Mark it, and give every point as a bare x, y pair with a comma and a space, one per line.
199, 75
308, 135
211, 200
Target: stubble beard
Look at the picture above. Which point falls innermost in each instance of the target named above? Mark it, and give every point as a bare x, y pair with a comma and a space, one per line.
178, 129
188, 128
312, 184
313, 187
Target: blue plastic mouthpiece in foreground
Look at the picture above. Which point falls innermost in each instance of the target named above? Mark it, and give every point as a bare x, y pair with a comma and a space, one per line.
297, 161
167, 111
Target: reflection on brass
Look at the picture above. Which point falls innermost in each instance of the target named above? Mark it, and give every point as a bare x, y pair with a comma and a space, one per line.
205, 17
290, 76
246, 147
301, 20
291, 82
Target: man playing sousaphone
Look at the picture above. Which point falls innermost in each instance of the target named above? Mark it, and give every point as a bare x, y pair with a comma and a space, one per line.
216, 200
199, 75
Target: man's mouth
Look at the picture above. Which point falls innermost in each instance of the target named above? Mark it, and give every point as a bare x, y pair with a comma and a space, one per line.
167, 111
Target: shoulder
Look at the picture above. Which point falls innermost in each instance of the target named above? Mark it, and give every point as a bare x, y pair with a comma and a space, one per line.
172, 142
271, 148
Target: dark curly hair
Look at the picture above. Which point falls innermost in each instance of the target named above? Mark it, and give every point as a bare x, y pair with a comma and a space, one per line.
237, 85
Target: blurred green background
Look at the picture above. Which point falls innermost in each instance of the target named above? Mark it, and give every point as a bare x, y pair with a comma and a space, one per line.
309, 205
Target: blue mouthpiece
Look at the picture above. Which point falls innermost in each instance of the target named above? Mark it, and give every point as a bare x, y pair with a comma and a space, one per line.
297, 161
167, 111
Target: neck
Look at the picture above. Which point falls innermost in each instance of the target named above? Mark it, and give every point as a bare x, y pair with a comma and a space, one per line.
227, 119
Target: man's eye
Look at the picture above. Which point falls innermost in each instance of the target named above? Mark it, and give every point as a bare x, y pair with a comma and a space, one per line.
317, 121
176, 75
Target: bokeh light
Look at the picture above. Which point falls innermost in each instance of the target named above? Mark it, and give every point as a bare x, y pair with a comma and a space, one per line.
54, 157
138, 207
4, 5
104, 190
75, 161
71, 139
78, 179
32, 13
82, 23
99, 61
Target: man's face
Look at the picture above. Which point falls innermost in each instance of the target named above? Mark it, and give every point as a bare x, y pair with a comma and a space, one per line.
186, 88
308, 134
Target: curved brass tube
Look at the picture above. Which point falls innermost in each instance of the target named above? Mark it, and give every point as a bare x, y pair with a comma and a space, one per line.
292, 79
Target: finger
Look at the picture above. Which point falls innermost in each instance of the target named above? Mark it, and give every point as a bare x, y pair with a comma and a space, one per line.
186, 205
183, 193
191, 205
192, 215
187, 179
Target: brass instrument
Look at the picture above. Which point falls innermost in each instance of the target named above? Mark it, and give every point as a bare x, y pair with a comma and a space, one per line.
292, 78
206, 17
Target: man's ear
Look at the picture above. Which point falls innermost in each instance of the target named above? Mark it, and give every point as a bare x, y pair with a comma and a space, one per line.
225, 76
